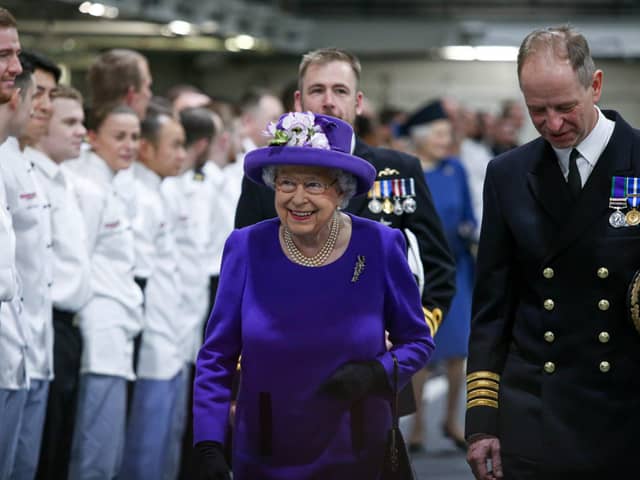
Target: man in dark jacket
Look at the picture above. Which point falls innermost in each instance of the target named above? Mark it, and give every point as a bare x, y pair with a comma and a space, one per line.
552, 385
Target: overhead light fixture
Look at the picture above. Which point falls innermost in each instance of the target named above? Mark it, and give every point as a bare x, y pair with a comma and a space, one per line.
483, 53
96, 9
180, 27
240, 42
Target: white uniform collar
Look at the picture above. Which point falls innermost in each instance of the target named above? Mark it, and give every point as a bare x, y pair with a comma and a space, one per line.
146, 175
50, 168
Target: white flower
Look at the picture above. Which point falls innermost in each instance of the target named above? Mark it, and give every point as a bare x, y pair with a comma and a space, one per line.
320, 140
299, 120
270, 131
297, 129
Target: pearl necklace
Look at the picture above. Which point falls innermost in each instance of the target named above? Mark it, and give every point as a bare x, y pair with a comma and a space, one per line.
319, 258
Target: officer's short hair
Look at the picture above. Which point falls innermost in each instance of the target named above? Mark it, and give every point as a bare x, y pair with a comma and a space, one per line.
6, 19
152, 124
197, 123
41, 62
564, 42
323, 56
112, 73
66, 91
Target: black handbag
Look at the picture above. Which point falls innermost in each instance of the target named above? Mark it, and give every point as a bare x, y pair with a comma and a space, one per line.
396, 464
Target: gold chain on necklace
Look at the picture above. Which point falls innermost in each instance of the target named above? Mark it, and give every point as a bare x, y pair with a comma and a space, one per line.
319, 258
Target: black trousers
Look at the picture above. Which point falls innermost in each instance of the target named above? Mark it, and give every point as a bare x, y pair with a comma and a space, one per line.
62, 402
520, 468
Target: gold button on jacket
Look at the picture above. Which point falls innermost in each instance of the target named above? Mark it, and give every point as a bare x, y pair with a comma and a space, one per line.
548, 304
549, 336
603, 272
605, 366
603, 337
548, 272
549, 367
603, 304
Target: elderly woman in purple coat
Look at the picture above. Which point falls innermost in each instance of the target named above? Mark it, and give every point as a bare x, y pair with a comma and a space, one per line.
306, 298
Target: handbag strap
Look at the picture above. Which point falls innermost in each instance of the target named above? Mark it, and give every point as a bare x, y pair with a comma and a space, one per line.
394, 396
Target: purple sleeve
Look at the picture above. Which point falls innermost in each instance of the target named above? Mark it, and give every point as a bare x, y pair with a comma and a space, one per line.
404, 320
218, 356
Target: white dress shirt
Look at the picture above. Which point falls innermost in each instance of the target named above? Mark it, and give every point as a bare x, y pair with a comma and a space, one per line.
590, 148
113, 315
71, 266
31, 218
191, 203
160, 357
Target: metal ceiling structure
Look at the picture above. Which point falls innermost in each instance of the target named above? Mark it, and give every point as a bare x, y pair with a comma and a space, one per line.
367, 27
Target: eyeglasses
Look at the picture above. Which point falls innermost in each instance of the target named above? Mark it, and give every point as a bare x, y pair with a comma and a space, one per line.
288, 185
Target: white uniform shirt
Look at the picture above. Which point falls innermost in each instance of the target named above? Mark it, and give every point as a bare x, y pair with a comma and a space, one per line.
13, 335
113, 315
71, 266
160, 357
190, 200
222, 217
8, 276
31, 218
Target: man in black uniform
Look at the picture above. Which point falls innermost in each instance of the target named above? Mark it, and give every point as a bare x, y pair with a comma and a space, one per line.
328, 84
553, 390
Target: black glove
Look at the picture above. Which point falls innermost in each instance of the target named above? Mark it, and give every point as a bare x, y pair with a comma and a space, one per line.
354, 380
210, 462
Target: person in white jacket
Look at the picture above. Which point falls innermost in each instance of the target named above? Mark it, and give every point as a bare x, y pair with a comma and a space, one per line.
192, 203
71, 273
159, 386
113, 316
31, 219
14, 382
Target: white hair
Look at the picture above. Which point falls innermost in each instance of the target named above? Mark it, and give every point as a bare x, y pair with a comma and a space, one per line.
347, 182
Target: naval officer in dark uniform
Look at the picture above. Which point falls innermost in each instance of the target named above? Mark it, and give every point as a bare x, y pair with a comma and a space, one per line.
553, 390
328, 84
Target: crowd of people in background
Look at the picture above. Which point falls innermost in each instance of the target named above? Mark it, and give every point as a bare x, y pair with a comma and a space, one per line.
116, 209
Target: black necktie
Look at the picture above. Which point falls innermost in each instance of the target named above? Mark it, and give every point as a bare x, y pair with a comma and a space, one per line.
574, 180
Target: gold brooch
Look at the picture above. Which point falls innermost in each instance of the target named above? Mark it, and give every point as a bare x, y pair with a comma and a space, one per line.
358, 269
388, 171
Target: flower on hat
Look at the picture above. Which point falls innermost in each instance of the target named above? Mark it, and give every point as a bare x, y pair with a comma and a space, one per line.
297, 129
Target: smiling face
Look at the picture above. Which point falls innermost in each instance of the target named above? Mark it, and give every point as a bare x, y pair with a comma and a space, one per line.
66, 130
39, 123
306, 215
561, 108
116, 140
10, 66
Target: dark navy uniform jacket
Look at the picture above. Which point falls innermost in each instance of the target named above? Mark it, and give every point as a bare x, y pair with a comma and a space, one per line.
554, 360
256, 204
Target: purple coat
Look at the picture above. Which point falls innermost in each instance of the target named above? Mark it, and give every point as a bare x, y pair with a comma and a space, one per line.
295, 326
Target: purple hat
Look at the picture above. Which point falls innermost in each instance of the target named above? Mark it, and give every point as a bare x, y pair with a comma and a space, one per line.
310, 140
